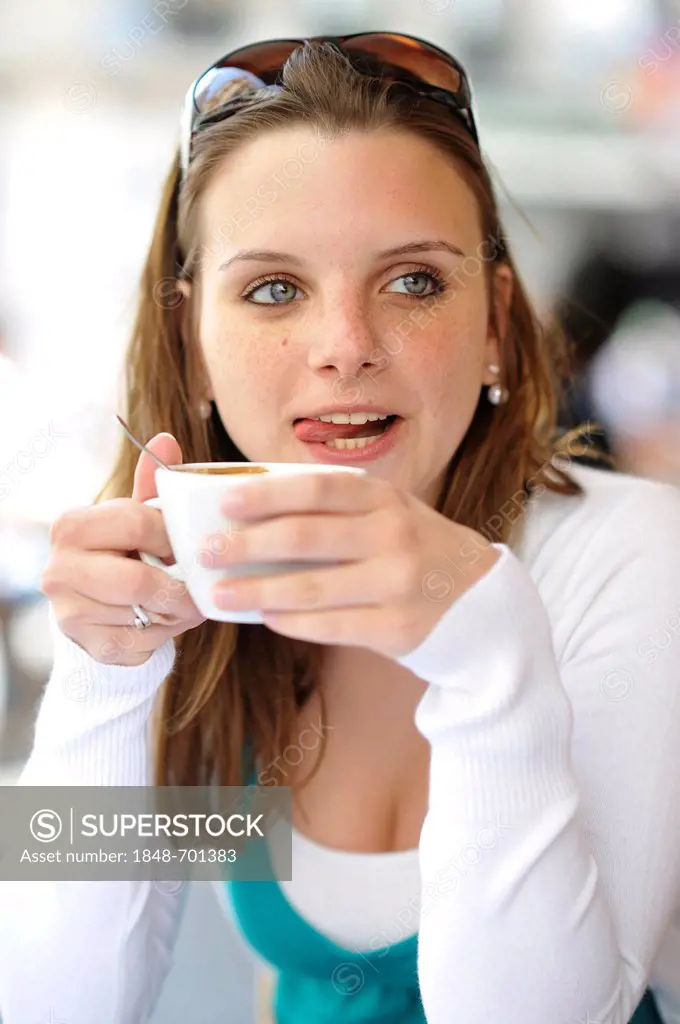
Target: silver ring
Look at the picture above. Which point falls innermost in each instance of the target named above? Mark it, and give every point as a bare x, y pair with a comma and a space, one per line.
141, 619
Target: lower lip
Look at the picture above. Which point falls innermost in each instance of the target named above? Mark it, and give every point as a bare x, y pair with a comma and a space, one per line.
355, 456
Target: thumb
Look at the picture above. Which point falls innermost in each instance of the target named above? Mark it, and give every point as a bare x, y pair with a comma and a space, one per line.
166, 448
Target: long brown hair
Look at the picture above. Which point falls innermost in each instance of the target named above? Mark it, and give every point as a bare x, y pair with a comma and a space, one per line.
236, 688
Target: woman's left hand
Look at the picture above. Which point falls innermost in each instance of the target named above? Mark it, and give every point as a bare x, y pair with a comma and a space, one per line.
402, 563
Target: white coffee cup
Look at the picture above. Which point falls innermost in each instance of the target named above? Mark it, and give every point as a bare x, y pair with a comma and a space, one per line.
191, 507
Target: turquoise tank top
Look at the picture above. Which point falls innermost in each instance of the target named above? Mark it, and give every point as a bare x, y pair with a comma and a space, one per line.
321, 982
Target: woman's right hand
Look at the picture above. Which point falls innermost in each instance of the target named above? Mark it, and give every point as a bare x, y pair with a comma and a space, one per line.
92, 582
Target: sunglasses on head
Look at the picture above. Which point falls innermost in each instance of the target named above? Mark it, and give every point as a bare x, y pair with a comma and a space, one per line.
425, 68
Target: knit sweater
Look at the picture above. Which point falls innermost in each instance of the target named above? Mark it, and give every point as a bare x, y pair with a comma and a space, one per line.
553, 717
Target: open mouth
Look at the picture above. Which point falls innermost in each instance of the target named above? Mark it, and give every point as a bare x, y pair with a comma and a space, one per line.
344, 431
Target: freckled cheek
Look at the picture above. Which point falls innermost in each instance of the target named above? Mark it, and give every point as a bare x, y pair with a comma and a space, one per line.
243, 361
231, 345
451, 345
247, 370
447, 365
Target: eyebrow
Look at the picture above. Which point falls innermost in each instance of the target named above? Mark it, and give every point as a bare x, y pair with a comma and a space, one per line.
428, 245
411, 248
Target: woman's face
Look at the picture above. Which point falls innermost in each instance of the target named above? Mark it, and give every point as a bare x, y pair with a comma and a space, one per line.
308, 309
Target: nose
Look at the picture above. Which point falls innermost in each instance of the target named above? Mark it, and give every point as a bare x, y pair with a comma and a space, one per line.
344, 341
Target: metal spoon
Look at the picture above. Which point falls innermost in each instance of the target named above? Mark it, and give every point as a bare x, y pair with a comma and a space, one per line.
140, 445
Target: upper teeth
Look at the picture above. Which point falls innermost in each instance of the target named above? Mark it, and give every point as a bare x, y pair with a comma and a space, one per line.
351, 417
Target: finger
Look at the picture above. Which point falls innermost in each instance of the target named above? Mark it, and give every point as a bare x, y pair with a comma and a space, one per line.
126, 645
168, 450
300, 538
375, 582
264, 497
120, 524
111, 579
80, 611
367, 626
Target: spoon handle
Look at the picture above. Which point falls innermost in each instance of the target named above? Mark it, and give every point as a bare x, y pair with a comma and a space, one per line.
139, 444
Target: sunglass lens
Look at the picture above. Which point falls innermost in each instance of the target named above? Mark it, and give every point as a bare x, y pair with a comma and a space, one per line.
264, 61
416, 57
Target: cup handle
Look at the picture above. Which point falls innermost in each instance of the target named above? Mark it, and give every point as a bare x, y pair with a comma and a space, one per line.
172, 570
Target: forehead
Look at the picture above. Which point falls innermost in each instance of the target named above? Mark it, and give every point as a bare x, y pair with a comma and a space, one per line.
316, 192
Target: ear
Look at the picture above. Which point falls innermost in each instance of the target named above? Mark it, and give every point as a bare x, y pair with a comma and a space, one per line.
502, 287
185, 288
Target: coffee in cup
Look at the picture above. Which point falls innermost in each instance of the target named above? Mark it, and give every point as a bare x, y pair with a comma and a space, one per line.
217, 469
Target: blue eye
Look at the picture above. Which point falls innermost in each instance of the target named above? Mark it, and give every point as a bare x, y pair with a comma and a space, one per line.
420, 281
274, 291
279, 291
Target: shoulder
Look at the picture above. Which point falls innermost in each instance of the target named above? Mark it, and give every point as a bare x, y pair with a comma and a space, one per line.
617, 543
612, 508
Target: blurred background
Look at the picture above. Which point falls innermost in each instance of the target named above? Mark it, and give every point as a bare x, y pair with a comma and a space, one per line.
578, 104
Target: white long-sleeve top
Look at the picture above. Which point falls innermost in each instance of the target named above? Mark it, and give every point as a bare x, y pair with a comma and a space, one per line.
550, 853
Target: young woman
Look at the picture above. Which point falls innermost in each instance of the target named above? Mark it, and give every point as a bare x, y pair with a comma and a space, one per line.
477, 710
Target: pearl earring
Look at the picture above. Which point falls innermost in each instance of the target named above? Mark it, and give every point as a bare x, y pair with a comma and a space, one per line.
497, 394
205, 409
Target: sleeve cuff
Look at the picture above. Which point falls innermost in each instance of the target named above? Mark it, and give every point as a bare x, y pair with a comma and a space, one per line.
500, 609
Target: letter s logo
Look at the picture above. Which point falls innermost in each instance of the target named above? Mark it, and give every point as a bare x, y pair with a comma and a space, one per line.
45, 826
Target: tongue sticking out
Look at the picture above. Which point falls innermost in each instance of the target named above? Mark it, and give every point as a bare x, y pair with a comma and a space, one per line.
316, 431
